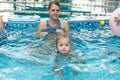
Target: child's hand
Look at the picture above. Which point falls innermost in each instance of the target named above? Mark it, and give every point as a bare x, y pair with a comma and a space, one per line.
60, 73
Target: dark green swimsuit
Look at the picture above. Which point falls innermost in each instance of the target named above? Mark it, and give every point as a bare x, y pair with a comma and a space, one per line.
52, 29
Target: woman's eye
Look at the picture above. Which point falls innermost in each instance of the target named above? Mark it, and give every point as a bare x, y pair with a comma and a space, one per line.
57, 10
53, 9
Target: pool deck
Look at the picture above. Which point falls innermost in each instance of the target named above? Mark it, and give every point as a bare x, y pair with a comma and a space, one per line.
37, 19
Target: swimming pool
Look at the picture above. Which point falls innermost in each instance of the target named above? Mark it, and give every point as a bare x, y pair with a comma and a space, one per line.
96, 42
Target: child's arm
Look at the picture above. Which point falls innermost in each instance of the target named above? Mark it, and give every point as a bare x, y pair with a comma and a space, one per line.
56, 69
78, 59
55, 66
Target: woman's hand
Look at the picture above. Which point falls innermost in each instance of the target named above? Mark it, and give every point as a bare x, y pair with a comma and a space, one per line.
41, 34
60, 31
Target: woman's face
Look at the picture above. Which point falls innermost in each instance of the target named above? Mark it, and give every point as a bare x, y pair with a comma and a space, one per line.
63, 45
54, 12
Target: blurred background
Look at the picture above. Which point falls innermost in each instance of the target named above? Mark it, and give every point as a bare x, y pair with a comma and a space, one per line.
68, 7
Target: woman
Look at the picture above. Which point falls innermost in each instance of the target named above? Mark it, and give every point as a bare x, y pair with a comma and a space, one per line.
50, 29
53, 25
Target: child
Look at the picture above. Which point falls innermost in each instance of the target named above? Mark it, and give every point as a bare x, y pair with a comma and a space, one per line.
64, 53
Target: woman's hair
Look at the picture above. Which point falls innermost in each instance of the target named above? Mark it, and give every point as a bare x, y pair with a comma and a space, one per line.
53, 2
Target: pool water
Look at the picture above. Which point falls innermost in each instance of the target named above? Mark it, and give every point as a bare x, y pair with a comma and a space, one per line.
100, 47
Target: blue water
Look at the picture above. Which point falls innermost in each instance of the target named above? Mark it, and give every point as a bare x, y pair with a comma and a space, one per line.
100, 47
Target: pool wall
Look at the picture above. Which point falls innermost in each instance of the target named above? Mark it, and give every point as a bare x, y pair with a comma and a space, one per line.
89, 24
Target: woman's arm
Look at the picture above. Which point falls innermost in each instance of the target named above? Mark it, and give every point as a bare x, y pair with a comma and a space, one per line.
39, 32
65, 26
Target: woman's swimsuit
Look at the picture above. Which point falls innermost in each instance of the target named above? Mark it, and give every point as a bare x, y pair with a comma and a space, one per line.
50, 38
52, 29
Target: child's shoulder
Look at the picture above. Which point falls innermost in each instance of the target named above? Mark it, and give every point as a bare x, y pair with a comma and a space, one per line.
72, 53
54, 57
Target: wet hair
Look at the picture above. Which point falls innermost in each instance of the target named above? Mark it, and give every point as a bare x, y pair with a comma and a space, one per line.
53, 2
61, 36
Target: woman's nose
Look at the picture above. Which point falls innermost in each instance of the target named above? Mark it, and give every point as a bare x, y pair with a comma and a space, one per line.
55, 11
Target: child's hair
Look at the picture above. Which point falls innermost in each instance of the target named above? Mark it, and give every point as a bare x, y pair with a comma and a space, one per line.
62, 36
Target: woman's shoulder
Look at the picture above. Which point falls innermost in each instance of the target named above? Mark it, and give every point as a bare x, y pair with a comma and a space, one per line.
42, 24
64, 23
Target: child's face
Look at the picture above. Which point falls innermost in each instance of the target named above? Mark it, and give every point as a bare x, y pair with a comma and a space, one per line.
63, 45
